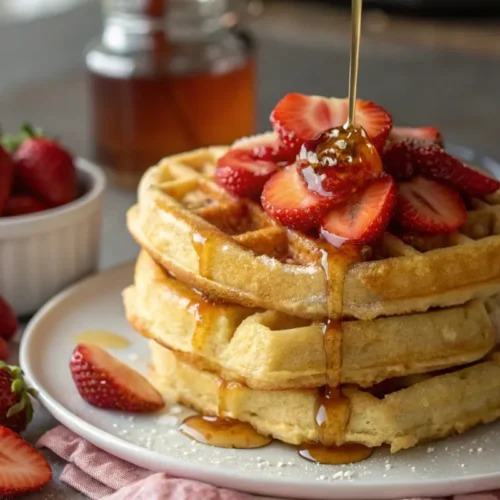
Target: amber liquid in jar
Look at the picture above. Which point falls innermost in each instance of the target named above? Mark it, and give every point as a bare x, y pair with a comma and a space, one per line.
138, 121
153, 94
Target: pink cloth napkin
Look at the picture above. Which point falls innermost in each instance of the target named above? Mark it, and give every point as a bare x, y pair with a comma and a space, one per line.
102, 476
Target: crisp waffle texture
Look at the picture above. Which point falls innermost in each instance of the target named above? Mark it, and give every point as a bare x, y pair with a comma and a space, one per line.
430, 409
231, 251
235, 306
271, 350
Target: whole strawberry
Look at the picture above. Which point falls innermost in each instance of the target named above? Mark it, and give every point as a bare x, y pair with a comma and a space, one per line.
16, 409
6, 175
46, 168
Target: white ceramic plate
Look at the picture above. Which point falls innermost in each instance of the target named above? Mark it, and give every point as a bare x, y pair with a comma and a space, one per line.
457, 465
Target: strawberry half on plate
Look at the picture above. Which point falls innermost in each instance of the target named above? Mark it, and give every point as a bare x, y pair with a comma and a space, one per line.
298, 118
364, 217
107, 383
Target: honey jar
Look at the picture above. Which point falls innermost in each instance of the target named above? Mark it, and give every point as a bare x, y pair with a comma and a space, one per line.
168, 76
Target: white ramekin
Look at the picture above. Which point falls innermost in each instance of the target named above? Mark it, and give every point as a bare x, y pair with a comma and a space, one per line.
43, 253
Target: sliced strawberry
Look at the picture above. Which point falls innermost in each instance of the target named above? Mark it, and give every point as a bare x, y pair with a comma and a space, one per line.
8, 320
23, 204
431, 134
375, 120
106, 382
436, 163
22, 468
242, 172
298, 118
399, 160
364, 217
267, 147
287, 199
409, 157
429, 206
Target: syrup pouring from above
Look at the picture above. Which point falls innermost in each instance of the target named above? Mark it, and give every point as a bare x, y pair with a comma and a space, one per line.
342, 159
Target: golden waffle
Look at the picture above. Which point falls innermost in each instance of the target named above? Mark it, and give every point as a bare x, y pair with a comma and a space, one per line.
271, 350
432, 408
232, 251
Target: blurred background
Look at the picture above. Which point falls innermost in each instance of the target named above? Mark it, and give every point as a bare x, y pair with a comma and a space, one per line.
429, 62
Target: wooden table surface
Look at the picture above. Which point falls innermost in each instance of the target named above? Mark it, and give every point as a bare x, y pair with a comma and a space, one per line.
425, 72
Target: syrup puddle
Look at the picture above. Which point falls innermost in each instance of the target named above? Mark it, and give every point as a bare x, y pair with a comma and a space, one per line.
334, 455
102, 338
223, 433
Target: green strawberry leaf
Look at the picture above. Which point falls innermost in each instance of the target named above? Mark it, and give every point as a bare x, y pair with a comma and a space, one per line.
11, 142
19, 387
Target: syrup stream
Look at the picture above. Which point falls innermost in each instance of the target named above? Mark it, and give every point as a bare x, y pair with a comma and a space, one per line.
357, 9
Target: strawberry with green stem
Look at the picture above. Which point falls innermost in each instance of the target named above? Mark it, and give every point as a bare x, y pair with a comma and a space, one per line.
16, 408
43, 166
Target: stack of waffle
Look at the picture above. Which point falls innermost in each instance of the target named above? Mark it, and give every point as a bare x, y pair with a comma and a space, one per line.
250, 320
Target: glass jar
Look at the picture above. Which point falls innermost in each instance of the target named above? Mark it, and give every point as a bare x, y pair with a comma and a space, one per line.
168, 76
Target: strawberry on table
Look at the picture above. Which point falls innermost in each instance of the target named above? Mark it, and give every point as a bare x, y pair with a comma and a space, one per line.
16, 409
23, 204
409, 157
6, 177
8, 320
298, 118
22, 468
431, 134
287, 199
107, 383
364, 217
429, 206
46, 168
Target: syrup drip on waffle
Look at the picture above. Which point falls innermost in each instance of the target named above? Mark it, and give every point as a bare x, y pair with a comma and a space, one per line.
203, 247
201, 310
333, 409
